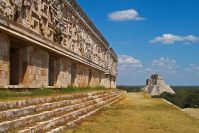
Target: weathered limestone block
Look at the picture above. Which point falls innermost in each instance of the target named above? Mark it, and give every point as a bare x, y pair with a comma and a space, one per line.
82, 75
107, 80
37, 67
96, 78
32, 102
44, 126
64, 72
103, 81
113, 82
4, 59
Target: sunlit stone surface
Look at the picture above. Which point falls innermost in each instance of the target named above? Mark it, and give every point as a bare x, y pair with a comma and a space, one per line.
156, 86
52, 43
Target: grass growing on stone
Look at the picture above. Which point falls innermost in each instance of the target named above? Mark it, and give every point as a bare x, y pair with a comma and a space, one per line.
30, 93
140, 114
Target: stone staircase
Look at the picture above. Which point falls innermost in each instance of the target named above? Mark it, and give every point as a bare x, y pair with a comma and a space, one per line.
55, 113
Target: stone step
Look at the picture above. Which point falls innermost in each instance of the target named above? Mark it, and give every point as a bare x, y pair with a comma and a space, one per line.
30, 102
80, 119
15, 113
31, 119
61, 120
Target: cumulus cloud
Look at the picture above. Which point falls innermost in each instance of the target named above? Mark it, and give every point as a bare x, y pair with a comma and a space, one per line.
163, 66
171, 39
126, 61
165, 63
192, 68
132, 70
125, 15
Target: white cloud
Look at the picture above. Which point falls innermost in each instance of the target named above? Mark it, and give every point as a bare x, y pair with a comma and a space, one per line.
165, 63
126, 61
125, 15
171, 39
192, 68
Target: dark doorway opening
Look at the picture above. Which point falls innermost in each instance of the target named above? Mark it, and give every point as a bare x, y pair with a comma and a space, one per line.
90, 75
15, 66
51, 71
73, 73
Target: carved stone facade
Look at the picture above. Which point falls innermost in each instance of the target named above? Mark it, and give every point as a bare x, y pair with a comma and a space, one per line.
52, 43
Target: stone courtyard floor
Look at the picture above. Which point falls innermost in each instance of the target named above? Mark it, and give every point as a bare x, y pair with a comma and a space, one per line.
140, 114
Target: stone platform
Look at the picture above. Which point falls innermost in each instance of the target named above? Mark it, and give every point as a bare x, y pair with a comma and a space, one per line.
53, 114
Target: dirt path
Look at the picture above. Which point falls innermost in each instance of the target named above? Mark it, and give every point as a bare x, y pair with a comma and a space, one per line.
139, 114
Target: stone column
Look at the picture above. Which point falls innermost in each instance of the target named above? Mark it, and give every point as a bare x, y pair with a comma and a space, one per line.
4, 59
63, 72
34, 67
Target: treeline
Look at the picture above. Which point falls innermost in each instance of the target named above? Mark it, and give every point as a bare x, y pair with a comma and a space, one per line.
130, 88
185, 97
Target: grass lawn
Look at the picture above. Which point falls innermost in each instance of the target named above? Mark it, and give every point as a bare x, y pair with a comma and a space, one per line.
8, 95
193, 112
140, 114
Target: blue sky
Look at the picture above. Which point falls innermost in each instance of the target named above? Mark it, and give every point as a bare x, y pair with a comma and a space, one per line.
150, 36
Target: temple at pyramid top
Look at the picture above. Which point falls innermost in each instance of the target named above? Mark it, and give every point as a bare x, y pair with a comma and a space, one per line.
156, 86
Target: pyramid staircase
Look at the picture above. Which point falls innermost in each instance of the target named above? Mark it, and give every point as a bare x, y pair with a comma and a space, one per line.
55, 113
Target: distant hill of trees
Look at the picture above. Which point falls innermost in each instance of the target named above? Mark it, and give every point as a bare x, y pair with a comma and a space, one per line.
185, 97
131, 88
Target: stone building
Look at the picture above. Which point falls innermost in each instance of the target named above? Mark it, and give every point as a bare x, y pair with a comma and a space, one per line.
156, 86
52, 43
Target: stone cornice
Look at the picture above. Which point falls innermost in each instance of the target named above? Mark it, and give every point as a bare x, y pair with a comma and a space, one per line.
113, 54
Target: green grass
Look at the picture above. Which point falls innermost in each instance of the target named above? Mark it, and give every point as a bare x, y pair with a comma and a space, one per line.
29, 93
140, 114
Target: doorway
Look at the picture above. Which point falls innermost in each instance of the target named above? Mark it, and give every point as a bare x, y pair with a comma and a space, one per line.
15, 67
73, 73
51, 71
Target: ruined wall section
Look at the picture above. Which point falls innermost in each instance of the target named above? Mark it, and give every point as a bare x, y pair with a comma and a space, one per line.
63, 72
81, 75
96, 78
37, 67
4, 59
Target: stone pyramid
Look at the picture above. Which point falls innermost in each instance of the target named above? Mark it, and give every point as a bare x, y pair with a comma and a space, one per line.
156, 86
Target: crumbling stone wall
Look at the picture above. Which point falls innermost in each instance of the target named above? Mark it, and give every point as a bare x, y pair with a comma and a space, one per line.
4, 59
